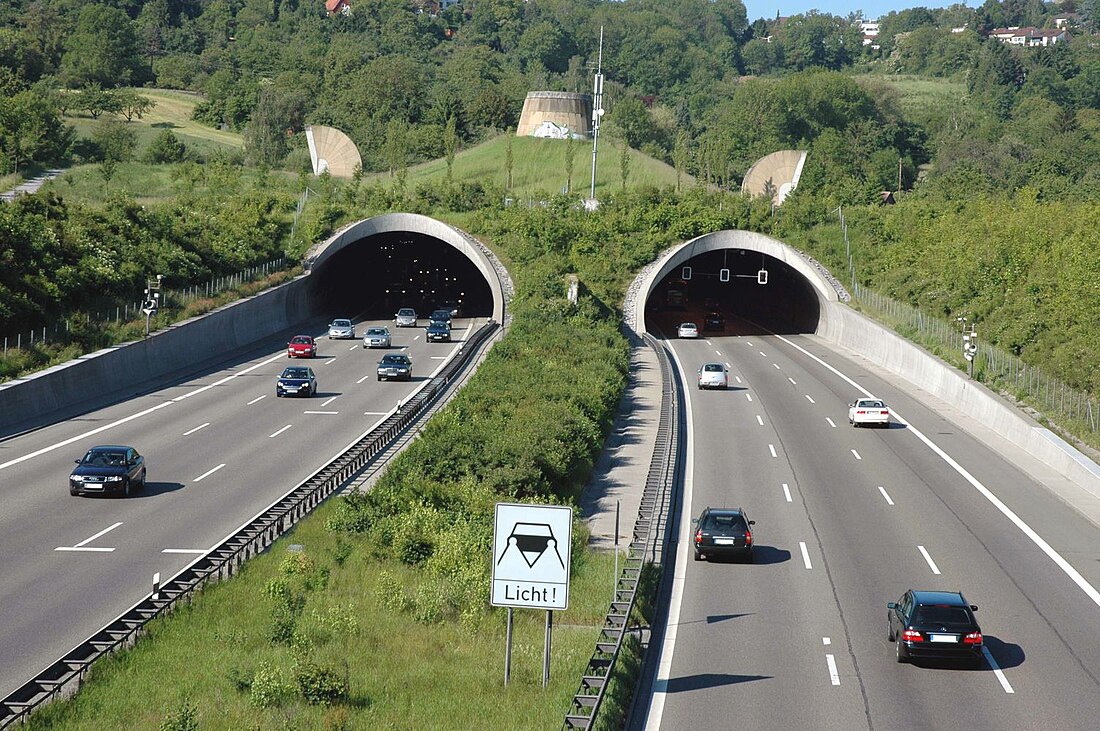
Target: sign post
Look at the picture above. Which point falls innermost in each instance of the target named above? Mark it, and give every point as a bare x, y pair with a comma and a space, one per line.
531, 562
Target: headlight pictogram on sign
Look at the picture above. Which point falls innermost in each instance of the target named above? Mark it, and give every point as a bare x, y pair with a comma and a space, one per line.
531, 541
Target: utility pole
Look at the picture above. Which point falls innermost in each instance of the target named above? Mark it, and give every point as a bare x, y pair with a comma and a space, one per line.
597, 112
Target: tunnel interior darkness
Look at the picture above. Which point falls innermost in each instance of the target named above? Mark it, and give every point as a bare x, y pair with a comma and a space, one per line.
373, 277
787, 304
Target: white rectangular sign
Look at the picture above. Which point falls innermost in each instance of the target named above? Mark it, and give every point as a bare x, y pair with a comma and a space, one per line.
531, 546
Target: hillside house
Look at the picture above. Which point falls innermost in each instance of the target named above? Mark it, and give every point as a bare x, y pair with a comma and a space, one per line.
338, 7
1030, 37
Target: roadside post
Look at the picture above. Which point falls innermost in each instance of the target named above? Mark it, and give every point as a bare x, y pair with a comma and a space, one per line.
531, 567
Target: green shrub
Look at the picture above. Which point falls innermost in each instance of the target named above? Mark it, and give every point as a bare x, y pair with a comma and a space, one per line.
184, 718
320, 686
390, 592
270, 687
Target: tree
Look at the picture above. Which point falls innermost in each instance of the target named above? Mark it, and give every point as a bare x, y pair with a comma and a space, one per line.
132, 104
96, 100
103, 49
31, 130
116, 141
570, 158
265, 138
165, 148
509, 160
450, 146
624, 162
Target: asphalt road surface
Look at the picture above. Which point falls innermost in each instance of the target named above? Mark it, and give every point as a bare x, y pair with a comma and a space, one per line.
846, 520
220, 449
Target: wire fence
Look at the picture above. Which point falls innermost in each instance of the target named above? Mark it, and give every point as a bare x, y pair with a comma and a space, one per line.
60, 332
992, 365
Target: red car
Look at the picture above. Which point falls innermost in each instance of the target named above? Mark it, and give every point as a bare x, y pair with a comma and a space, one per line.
301, 346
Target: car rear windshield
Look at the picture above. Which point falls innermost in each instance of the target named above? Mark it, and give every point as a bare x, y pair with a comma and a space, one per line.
724, 522
712, 368
872, 404
941, 615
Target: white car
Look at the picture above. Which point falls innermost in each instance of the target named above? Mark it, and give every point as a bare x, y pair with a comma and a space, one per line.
377, 337
869, 411
687, 330
341, 329
405, 317
714, 375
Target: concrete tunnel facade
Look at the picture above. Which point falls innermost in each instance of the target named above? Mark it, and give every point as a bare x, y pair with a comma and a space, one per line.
799, 297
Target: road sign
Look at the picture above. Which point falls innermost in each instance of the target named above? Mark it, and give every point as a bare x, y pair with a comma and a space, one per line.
531, 546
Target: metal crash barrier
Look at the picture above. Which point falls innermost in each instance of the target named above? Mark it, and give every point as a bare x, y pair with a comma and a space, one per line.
63, 677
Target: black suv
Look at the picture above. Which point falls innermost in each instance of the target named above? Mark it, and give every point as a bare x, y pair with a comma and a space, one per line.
934, 624
714, 321
723, 532
108, 469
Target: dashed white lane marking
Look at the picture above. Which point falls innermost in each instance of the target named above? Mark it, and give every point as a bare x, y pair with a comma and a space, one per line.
196, 551
206, 474
748, 396
763, 353
834, 676
258, 398
330, 361
887, 497
440, 357
771, 448
856, 454
776, 366
363, 378
325, 413
269, 436
718, 352
228, 378
728, 366
327, 402
1067, 568
83, 545
416, 338
189, 432
826, 641
810, 399
793, 383
997, 670
931, 564
738, 378
805, 554
787, 492
352, 348
759, 420
830, 422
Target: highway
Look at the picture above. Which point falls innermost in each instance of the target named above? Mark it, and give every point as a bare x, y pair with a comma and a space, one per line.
846, 520
220, 448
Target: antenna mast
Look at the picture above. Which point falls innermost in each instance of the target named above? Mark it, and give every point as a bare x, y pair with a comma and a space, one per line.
597, 112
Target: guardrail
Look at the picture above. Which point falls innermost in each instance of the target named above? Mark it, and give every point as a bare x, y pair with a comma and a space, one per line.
647, 545
63, 677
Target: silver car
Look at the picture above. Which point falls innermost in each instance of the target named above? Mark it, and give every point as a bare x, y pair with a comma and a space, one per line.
377, 337
341, 329
405, 317
713, 375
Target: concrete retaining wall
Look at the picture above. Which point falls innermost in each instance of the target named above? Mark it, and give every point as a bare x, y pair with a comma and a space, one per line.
845, 326
109, 375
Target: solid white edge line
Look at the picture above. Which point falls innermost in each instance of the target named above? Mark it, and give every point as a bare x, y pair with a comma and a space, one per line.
805, 555
887, 497
830, 422
1074, 575
787, 492
931, 564
269, 436
192, 431
258, 398
668, 645
206, 474
228, 378
997, 670
195, 551
97, 535
834, 676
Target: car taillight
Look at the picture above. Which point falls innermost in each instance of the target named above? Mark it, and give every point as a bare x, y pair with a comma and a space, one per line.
699, 536
974, 638
748, 537
911, 635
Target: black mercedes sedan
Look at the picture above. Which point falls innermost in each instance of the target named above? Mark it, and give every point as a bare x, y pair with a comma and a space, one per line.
934, 624
723, 532
108, 469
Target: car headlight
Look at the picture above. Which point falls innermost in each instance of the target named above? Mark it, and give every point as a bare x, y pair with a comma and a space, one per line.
114, 478
76, 478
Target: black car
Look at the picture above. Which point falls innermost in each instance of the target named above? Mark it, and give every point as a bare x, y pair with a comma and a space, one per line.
934, 624
451, 306
438, 332
108, 469
440, 316
296, 381
395, 366
723, 532
714, 321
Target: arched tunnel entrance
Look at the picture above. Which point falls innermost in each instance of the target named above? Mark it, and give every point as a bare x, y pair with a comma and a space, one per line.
372, 268
372, 277
736, 282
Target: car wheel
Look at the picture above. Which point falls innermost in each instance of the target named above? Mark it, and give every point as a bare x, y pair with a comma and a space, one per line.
126, 489
141, 485
73, 492
698, 556
379, 378
901, 656
890, 632
748, 557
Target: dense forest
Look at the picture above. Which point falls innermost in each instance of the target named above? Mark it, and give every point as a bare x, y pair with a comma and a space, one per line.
1012, 131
